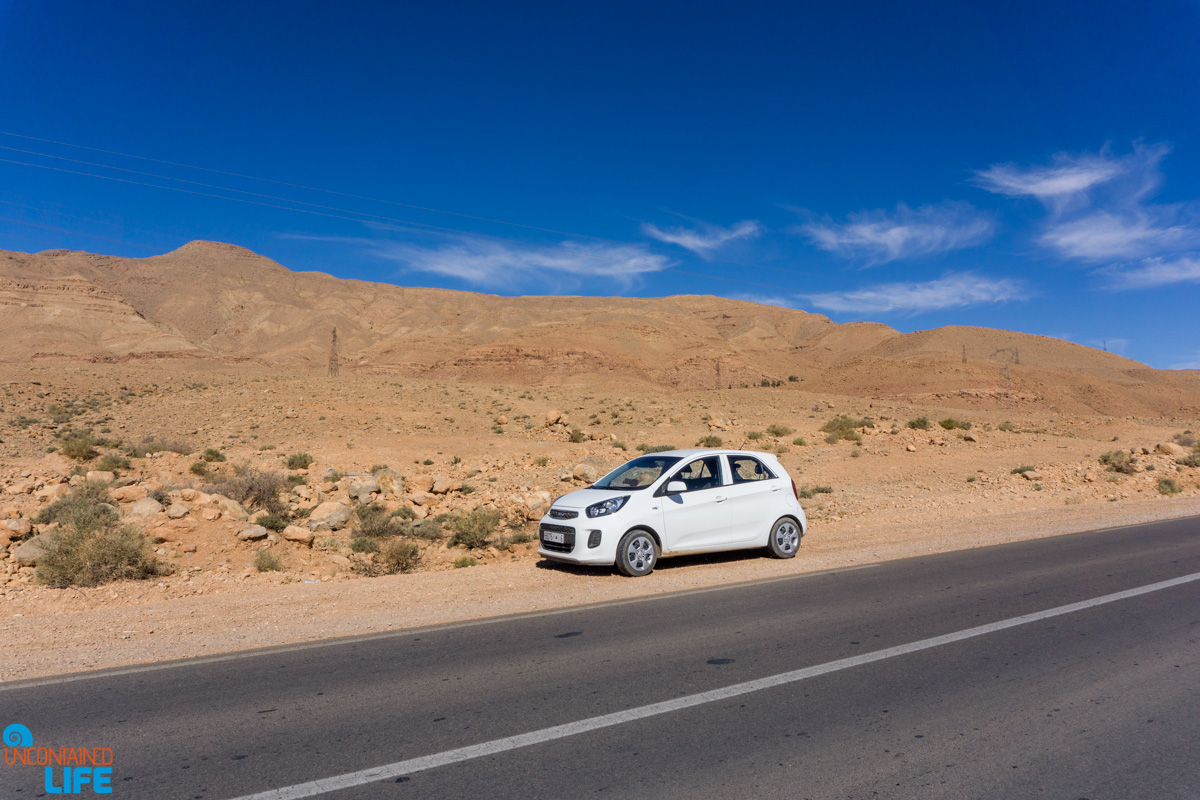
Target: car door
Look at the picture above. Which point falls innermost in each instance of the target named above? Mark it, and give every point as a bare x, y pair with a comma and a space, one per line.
753, 497
698, 518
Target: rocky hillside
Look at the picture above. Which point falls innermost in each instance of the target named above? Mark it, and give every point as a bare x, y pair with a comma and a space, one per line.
225, 303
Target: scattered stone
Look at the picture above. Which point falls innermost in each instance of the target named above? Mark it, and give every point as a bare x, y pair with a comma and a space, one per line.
178, 511
553, 417
422, 483
231, 509
390, 482
30, 552
364, 491
1171, 449
585, 472
969, 437
1032, 475
128, 494
910, 448
444, 485
294, 533
501, 420
103, 476
253, 533
145, 508
20, 527
330, 516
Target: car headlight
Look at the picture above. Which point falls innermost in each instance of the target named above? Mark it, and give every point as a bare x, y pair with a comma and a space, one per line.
606, 507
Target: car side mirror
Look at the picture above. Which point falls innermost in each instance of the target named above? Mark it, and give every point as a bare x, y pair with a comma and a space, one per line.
676, 487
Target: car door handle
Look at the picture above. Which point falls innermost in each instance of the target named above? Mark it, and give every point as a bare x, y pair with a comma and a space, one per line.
776, 488
718, 499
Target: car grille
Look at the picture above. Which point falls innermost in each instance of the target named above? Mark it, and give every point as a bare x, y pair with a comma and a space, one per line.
558, 513
568, 537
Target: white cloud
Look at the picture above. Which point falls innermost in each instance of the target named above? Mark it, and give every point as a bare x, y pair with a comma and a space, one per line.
882, 236
1068, 175
1194, 363
1136, 233
706, 238
950, 291
498, 264
1154, 272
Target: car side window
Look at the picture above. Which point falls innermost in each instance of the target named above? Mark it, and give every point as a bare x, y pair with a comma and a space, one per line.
746, 468
703, 473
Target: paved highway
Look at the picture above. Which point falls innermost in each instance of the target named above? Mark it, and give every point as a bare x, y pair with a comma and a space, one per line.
1021, 670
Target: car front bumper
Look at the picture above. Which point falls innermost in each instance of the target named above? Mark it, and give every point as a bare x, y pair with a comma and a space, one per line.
577, 534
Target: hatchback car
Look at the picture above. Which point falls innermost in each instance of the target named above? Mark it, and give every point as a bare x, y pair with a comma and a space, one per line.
673, 503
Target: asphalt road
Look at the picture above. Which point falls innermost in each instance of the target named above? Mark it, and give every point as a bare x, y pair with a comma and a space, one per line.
1102, 702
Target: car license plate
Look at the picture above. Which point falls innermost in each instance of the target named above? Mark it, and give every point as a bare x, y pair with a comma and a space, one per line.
557, 538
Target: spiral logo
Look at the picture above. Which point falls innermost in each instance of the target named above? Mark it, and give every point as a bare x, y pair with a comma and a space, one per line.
17, 735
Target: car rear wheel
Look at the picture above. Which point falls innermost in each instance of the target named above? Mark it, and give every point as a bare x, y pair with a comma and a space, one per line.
785, 538
637, 553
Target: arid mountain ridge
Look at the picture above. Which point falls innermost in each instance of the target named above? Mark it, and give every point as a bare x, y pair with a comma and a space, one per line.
224, 303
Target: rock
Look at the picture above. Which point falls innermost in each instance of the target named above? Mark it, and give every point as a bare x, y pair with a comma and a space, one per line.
501, 420
444, 485
363, 490
178, 511
128, 494
969, 437
189, 495
717, 424
1171, 449
585, 472
52, 493
390, 482
294, 533
422, 499
103, 476
1032, 475
340, 560
910, 448
128, 480
232, 510
330, 516
145, 508
189, 548
553, 417
421, 483
253, 533
211, 514
19, 527
29, 552
1090, 477
22, 487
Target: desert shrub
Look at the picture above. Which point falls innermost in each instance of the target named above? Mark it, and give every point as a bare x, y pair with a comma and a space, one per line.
1022, 469
266, 561
1007, 427
79, 447
428, 462
1186, 439
272, 522
806, 492
90, 557
398, 556
376, 522
655, 448
800, 441
754, 436
1169, 486
951, 424
919, 424
377, 468
158, 444
364, 544
212, 454
87, 509
843, 427
775, 429
294, 480
620, 446
576, 436
1192, 460
252, 488
299, 461
199, 468
709, 441
406, 513
520, 537
540, 461
161, 495
428, 529
465, 561
472, 529
793, 378
1119, 461
111, 462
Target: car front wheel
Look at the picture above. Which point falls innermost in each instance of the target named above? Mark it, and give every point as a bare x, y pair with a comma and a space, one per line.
785, 538
637, 554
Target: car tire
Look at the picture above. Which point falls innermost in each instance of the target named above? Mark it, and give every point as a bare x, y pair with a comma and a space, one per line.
784, 540
637, 553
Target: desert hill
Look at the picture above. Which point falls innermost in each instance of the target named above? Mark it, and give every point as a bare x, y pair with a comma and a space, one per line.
221, 302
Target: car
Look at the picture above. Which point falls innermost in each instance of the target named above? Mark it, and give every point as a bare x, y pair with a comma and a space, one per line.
673, 503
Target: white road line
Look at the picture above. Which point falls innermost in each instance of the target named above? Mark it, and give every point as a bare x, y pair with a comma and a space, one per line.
371, 637
409, 766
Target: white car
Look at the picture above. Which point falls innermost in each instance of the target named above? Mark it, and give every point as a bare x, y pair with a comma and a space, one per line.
676, 502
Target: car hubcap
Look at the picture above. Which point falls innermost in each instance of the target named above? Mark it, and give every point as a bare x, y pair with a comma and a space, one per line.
787, 537
641, 553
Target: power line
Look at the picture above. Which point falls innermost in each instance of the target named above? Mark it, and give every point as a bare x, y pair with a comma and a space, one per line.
572, 234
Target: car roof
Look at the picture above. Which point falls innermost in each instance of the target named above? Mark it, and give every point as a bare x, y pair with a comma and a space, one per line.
712, 451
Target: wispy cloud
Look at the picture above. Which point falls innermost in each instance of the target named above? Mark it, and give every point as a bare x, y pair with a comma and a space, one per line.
705, 238
1193, 363
1098, 204
955, 290
881, 236
1154, 272
503, 264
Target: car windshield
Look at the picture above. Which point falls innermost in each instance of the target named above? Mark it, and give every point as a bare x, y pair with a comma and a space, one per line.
637, 474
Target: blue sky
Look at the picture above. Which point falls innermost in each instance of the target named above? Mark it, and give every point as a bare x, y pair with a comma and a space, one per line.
1031, 166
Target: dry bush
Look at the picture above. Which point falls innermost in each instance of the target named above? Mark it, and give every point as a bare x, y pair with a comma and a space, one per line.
397, 556
88, 508
920, 424
1119, 461
1168, 486
377, 523
90, 557
253, 488
266, 561
473, 529
950, 424
777, 430
79, 447
843, 427
157, 444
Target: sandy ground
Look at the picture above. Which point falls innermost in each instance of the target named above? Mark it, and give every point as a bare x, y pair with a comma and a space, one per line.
900, 492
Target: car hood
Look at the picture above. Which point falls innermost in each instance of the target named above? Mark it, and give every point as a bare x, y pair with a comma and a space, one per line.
585, 497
